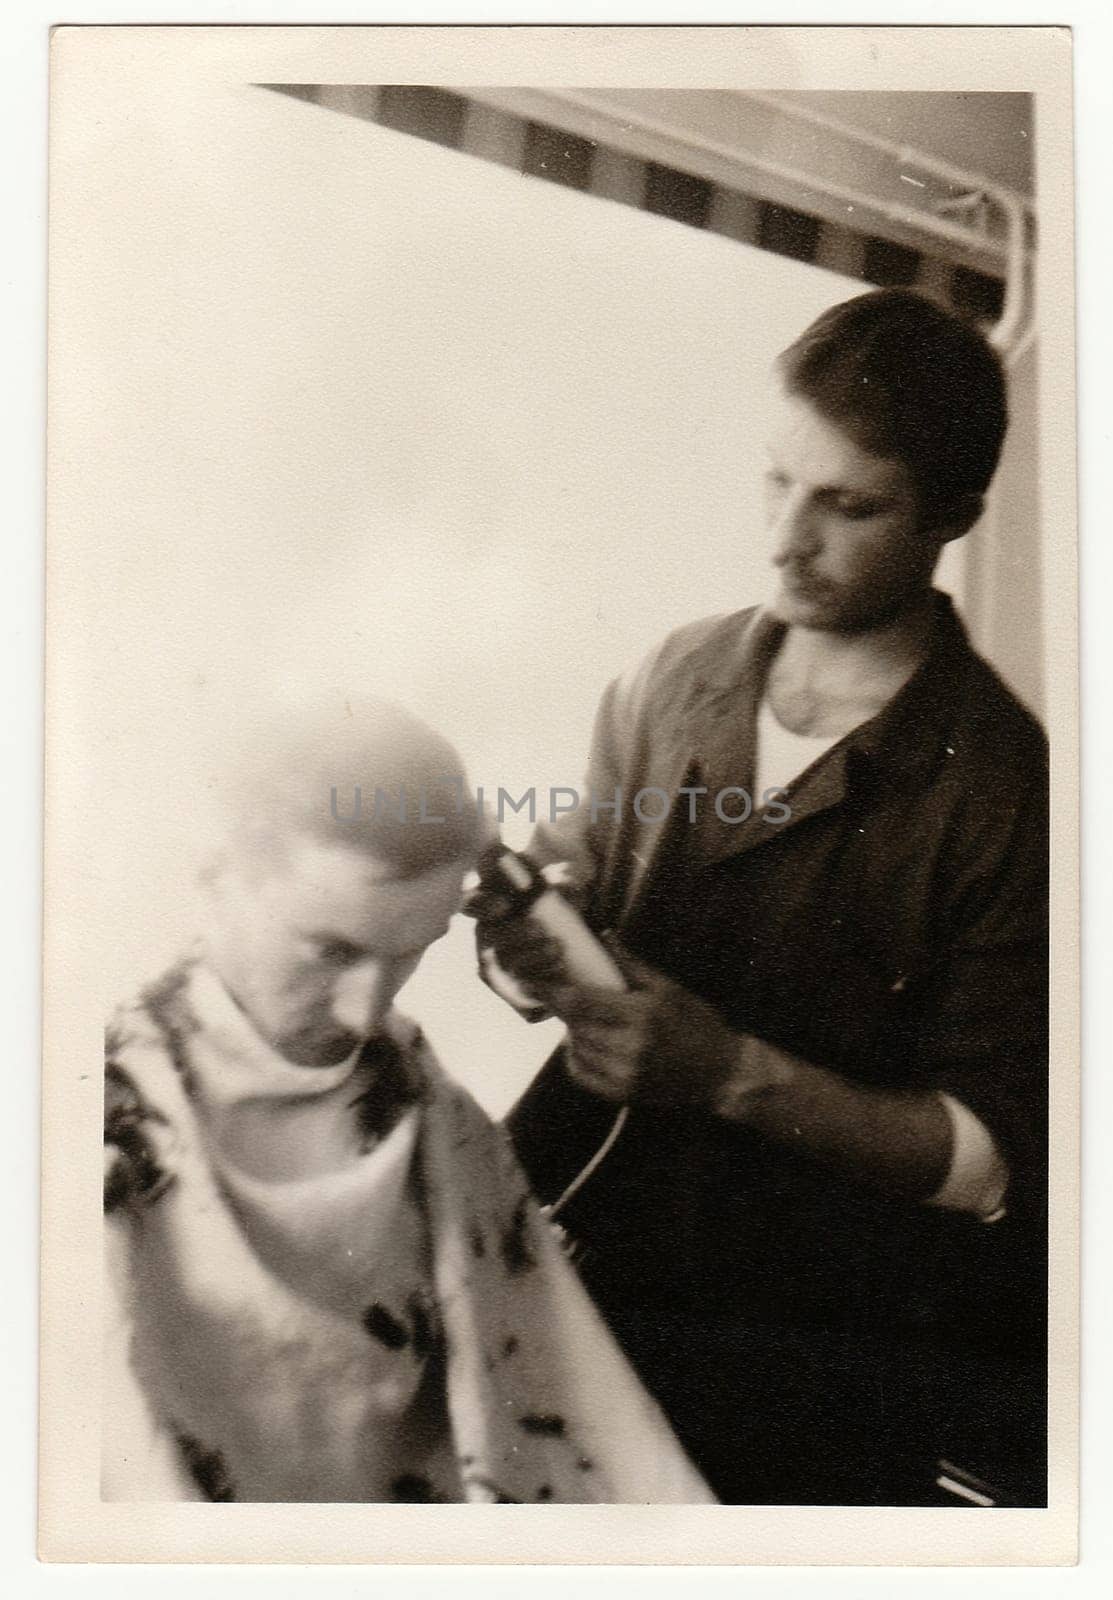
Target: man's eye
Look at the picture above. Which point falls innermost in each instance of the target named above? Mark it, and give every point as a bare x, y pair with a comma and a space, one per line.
858, 510
339, 952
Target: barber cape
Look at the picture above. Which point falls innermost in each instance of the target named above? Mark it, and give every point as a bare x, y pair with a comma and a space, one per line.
332, 1284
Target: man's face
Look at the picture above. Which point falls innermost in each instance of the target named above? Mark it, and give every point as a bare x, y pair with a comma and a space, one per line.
850, 547
316, 950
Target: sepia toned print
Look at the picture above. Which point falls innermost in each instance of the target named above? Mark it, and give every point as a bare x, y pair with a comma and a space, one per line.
561, 584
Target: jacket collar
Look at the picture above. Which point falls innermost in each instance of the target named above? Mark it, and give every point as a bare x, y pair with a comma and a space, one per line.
924, 705
906, 740
900, 746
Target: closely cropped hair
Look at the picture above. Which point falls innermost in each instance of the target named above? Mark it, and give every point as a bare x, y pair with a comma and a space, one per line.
353, 771
910, 380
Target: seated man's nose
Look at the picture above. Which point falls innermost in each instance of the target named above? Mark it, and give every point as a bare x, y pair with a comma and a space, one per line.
362, 995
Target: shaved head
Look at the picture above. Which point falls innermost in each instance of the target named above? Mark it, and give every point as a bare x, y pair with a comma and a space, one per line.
352, 771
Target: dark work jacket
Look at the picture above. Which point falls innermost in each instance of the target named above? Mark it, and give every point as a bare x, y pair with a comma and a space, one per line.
894, 929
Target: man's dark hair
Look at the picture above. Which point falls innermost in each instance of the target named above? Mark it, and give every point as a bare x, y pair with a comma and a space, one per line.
907, 379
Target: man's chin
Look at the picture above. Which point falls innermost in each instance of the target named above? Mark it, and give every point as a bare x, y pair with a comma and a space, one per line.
319, 1050
804, 610
826, 612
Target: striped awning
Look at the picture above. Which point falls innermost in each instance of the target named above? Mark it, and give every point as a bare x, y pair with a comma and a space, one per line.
597, 142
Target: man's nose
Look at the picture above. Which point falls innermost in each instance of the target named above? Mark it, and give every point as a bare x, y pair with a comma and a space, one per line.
793, 528
362, 996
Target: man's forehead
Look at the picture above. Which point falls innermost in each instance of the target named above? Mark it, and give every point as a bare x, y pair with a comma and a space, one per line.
340, 878
792, 422
326, 861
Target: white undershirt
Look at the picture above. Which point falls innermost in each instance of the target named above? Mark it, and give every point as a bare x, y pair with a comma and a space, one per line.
782, 755
978, 1177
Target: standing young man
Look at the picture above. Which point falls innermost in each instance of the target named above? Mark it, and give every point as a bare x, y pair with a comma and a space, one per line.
820, 1235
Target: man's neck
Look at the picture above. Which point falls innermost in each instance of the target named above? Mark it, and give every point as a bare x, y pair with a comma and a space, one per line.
828, 683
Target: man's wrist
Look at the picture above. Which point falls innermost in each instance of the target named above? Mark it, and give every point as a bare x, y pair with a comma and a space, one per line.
901, 1141
756, 1070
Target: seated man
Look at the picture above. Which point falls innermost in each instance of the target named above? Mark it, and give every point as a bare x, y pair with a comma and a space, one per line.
329, 1280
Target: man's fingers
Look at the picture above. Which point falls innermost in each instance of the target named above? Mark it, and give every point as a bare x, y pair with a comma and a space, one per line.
487, 906
599, 1054
638, 974
528, 953
604, 1008
528, 967
598, 1081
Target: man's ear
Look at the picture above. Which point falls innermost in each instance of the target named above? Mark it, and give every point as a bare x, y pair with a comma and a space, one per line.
957, 518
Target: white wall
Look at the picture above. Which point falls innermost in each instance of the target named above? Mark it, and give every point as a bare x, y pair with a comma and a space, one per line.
1005, 555
360, 410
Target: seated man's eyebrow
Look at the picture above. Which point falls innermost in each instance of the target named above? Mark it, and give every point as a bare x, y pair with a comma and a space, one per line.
337, 944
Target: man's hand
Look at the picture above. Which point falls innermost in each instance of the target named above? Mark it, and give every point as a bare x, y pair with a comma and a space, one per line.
655, 1043
517, 961
523, 951
659, 1044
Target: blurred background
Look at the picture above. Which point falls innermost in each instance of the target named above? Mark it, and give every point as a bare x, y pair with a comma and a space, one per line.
455, 396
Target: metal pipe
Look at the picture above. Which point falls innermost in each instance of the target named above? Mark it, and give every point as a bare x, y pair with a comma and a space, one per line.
1007, 332
959, 177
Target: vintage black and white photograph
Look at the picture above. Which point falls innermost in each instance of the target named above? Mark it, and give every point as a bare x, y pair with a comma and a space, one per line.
562, 616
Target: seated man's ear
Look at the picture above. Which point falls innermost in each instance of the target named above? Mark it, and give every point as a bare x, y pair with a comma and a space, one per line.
957, 517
